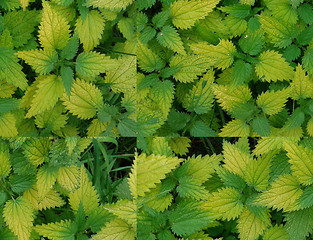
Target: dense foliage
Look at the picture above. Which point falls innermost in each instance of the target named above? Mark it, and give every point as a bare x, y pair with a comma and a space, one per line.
67, 68
72, 188
225, 68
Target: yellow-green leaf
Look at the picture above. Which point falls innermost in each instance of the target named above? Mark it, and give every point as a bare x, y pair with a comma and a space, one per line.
84, 100
54, 30
90, 29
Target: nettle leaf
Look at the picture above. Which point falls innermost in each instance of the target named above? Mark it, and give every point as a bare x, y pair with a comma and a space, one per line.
91, 64
299, 224
279, 34
189, 67
145, 4
252, 43
10, 70
49, 90
85, 194
53, 36
283, 194
67, 75
200, 97
277, 232
46, 178
70, 50
225, 204
148, 60
90, 29
164, 93
123, 77
273, 102
5, 164
302, 86
127, 27
169, 38
109, 4
306, 12
273, 67
116, 229
141, 180
57, 231
85, 99
251, 226
222, 54
37, 150
235, 128
185, 13
301, 163
68, 177
188, 218
18, 215
307, 61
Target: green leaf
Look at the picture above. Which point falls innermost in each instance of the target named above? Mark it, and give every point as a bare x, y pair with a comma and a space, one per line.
306, 199
251, 226
190, 188
237, 10
53, 36
241, 72
283, 194
109, 4
291, 53
8, 104
147, 34
90, 29
200, 129
67, 76
91, 64
169, 38
262, 126
160, 19
299, 223
21, 183
301, 162
70, 50
307, 61
64, 230
127, 128
147, 59
252, 43
273, 67
10, 70
145, 4
295, 120
185, 13
43, 61
127, 27
46, 178
305, 37
18, 215
276, 233
163, 93
306, 13
188, 218
188, 67
225, 204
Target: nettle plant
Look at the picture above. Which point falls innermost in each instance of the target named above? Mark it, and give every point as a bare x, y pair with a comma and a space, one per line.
256, 190
67, 68
228, 68
47, 193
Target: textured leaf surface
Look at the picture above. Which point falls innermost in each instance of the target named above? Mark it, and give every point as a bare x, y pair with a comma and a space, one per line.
90, 64
301, 162
46, 178
84, 100
116, 229
49, 90
188, 218
185, 13
123, 77
251, 226
273, 67
125, 210
109, 4
63, 230
90, 29
147, 59
42, 61
283, 194
276, 233
18, 214
272, 102
54, 30
10, 70
149, 170
169, 38
225, 204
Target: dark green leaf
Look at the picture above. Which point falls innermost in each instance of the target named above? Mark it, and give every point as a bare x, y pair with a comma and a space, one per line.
127, 128
67, 76
8, 104
200, 129
306, 13
261, 126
